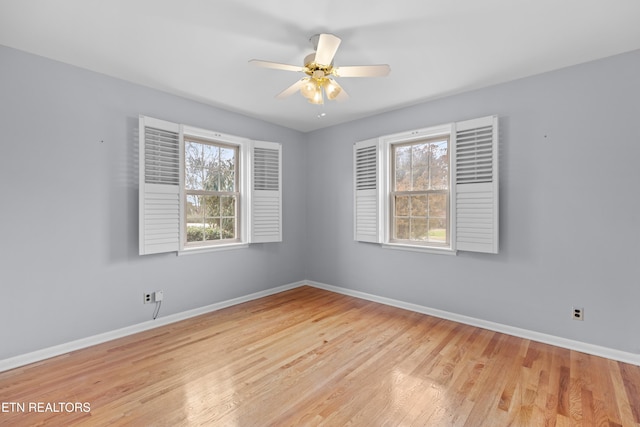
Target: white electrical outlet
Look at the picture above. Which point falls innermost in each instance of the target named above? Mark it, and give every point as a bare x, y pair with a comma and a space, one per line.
577, 313
151, 297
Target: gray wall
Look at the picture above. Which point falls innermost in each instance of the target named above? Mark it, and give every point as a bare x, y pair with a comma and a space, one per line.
69, 264
570, 212
570, 208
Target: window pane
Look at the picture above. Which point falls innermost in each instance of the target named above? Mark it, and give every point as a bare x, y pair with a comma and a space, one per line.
228, 228
419, 206
439, 166
198, 163
209, 155
437, 230
227, 157
402, 205
228, 205
212, 229
227, 180
403, 165
192, 155
195, 218
213, 174
419, 229
437, 205
213, 206
227, 169
402, 228
195, 233
212, 182
420, 167
194, 177
195, 209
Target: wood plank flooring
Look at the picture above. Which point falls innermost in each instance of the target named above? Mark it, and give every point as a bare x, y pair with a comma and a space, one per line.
313, 357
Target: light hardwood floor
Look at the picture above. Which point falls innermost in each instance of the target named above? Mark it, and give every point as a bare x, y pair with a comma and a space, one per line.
313, 357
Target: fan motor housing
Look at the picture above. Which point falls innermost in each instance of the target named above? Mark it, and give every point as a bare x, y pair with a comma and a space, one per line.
311, 68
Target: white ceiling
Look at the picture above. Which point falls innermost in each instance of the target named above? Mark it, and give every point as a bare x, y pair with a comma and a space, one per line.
199, 49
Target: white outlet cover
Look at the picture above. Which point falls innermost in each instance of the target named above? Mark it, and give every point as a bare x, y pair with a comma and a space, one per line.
577, 313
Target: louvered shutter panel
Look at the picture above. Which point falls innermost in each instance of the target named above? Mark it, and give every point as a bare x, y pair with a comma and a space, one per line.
477, 185
159, 197
266, 196
366, 191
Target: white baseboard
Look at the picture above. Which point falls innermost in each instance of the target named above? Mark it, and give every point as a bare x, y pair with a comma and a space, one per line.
583, 347
46, 353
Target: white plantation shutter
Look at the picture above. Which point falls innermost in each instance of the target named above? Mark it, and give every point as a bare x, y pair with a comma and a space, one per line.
476, 185
366, 189
266, 192
159, 201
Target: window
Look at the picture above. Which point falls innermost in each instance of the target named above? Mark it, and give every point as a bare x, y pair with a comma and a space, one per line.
419, 208
204, 190
211, 190
432, 189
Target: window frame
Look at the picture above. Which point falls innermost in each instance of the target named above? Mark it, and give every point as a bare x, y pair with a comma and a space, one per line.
242, 146
212, 193
387, 169
393, 194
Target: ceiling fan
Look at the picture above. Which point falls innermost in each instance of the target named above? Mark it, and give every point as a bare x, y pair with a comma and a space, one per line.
319, 68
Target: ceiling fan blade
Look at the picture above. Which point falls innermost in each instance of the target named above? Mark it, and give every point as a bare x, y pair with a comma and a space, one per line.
362, 71
275, 65
327, 47
290, 90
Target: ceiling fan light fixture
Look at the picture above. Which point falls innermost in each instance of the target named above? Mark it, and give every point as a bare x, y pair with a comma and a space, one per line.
332, 89
317, 97
308, 88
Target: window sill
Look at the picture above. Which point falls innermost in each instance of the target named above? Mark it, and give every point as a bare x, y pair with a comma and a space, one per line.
216, 248
418, 248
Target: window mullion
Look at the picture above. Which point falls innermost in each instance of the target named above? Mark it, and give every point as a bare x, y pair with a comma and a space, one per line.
212, 193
